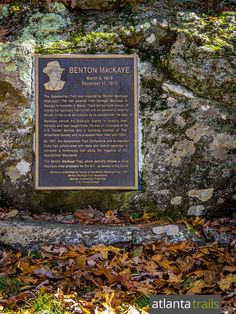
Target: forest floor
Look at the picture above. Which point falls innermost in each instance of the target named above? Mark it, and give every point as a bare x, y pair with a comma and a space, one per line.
112, 279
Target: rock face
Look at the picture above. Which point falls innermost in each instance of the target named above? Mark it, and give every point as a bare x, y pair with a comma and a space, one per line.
16, 122
188, 152
187, 102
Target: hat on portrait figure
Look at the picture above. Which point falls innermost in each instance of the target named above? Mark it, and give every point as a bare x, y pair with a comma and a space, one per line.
54, 72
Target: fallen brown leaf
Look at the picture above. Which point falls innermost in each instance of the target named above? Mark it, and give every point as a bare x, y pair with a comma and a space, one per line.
15, 299
226, 282
229, 268
44, 272
13, 213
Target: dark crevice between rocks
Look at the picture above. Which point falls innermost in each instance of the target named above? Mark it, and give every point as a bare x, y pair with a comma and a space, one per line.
223, 210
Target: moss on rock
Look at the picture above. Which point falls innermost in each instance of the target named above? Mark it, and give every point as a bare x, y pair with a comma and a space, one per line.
82, 43
98, 42
56, 47
203, 55
74, 200
213, 32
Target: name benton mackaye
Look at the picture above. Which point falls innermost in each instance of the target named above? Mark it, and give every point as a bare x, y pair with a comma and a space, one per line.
95, 70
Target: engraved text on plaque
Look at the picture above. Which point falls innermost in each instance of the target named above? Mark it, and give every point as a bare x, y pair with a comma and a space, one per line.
86, 122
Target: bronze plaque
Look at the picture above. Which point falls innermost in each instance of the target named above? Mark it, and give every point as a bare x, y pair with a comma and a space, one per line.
86, 122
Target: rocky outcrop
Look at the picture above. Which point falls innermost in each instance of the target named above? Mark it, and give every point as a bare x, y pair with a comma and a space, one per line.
186, 102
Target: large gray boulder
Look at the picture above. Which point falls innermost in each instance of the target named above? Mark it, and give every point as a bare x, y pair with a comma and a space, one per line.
187, 108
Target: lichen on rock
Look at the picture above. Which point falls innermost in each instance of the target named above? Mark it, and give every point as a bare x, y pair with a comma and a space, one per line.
16, 65
184, 152
45, 28
4, 11
203, 195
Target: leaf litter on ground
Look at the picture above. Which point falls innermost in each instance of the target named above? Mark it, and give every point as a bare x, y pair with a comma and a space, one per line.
108, 279
88, 216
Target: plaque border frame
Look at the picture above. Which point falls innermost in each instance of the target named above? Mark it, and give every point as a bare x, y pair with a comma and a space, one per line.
136, 146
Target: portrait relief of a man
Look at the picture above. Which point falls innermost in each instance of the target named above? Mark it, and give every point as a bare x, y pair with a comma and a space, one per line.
54, 72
